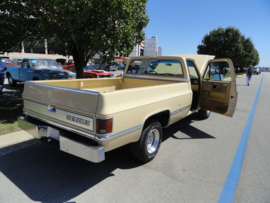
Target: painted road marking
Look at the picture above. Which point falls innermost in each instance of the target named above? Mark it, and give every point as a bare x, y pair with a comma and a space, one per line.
229, 188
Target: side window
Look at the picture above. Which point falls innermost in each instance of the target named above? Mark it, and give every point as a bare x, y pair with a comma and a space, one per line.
192, 70
218, 71
26, 64
71, 68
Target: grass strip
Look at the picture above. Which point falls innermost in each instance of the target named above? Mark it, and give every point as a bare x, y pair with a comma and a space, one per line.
9, 111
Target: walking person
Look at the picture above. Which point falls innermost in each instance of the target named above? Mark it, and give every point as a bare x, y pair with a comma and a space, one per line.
249, 74
2, 75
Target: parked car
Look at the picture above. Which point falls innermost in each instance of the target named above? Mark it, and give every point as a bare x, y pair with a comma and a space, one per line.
113, 66
90, 72
7, 61
35, 69
69, 62
17, 61
256, 71
61, 61
121, 66
96, 66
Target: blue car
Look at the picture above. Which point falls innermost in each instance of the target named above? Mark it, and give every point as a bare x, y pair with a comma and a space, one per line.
35, 69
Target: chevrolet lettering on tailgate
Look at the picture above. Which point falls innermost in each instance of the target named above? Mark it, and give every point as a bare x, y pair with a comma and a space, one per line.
78, 120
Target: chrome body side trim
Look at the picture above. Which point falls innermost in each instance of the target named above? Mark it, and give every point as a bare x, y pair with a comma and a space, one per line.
65, 88
105, 138
80, 131
179, 110
84, 122
156, 78
60, 124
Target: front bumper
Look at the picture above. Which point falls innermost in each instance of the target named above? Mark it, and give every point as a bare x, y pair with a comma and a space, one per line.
90, 153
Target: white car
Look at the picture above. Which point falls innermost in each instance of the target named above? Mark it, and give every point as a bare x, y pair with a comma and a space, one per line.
111, 67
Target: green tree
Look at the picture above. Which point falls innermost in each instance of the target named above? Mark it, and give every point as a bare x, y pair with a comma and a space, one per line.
84, 28
16, 27
229, 43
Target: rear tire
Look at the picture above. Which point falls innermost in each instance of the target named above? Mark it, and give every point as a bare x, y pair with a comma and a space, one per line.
11, 82
148, 145
204, 114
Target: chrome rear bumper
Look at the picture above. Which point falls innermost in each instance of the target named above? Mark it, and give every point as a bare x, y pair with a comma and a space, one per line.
90, 153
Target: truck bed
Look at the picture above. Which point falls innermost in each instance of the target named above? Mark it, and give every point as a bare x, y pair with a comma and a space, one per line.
104, 96
104, 85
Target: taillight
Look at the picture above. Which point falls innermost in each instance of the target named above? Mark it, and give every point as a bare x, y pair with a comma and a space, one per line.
104, 126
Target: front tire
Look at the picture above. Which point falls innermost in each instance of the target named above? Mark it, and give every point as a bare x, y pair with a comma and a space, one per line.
11, 82
204, 114
148, 145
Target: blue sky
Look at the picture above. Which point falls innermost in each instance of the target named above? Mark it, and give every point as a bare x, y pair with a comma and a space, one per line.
181, 25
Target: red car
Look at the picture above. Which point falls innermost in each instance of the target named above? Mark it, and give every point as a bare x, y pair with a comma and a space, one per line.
90, 72
7, 61
69, 62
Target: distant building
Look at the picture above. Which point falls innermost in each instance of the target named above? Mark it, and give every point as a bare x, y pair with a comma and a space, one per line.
159, 51
148, 47
138, 50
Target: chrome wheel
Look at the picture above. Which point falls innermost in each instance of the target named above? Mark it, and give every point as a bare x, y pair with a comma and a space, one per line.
146, 148
153, 138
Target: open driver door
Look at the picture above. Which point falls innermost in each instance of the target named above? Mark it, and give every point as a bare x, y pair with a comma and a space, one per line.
218, 87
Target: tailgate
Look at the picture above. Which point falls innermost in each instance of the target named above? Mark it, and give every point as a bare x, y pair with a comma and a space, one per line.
66, 106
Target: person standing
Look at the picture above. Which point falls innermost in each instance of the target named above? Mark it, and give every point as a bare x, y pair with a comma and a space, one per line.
249, 74
2, 75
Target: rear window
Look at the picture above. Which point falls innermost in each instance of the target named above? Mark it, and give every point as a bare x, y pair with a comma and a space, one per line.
156, 67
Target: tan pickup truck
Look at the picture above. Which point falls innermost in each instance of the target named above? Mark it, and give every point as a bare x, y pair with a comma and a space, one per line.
88, 117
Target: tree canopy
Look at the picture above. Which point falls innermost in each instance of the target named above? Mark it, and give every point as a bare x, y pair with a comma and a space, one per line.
230, 43
82, 28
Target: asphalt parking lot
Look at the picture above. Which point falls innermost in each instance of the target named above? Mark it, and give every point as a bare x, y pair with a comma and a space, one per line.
192, 165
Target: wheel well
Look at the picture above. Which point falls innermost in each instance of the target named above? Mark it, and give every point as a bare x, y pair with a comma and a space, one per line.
162, 117
35, 78
7, 74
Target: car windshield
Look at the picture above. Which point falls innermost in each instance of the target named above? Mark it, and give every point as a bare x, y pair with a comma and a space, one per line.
89, 68
157, 67
43, 63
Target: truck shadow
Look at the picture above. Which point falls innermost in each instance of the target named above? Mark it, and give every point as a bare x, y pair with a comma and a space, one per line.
46, 174
183, 130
